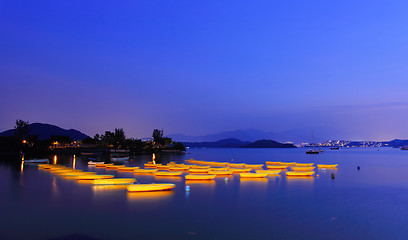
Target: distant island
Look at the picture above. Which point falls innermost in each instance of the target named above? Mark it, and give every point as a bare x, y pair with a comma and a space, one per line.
236, 143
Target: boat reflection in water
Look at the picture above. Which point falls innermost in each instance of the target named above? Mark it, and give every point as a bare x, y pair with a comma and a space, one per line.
201, 182
102, 188
149, 196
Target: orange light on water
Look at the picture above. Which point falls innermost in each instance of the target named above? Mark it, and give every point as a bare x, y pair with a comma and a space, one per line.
73, 163
55, 159
22, 165
154, 158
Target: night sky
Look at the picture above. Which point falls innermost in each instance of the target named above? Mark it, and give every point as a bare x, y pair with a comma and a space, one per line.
201, 67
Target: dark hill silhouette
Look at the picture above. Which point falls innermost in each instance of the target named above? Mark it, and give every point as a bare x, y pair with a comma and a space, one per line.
268, 144
45, 131
224, 143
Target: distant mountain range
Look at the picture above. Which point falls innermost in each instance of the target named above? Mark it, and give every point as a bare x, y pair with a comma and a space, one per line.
236, 143
251, 135
45, 131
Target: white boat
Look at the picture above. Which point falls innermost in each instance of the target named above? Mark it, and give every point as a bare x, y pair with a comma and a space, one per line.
94, 163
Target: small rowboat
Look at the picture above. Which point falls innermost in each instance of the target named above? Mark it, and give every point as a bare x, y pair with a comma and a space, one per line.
61, 172
150, 165
182, 166
114, 166
300, 174
178, 168
94, 163
236, 165
240, 170
254, 165
327, 165
113, 181
220, 169
163, 167
217, 164
276, 167
226, 172
103, 165
288, 163
162, 173
193, 170
92, 177
150, 187
145, 170
198, 167
273, 163
127, 169
253, 175
304, 164
36, 161
199, 177
298, 169
269, 172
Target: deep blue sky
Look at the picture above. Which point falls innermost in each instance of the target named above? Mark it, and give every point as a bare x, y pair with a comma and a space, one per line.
199, 67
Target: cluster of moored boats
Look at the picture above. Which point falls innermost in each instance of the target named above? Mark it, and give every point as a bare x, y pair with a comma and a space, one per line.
192, 170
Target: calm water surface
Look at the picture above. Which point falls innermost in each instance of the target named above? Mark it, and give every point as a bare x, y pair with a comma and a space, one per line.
371, 203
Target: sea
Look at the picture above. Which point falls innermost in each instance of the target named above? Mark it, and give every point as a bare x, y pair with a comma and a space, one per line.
366, 197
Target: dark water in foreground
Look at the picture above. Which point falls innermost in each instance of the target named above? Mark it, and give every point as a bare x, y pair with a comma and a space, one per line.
368, 204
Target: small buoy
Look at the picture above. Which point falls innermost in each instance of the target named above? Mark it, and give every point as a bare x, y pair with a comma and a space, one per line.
317, 175
332, 175
226, 179
187, 188
358, 167
277, 178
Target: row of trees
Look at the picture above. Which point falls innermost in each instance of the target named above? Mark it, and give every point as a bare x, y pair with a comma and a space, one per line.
117, 139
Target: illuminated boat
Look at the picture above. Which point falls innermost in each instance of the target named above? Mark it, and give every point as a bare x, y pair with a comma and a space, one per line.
236, 165
162, 173
61, 172
288, 163
254, 165
183, 166
300, 174
240, 170
94, 163
199, 177
114, 166
103, 165
220, 169
178, 168
327, 165
304, 164
113, 181
145, 170
273, 163
225, 172
127, 169
150, 187
269, 172
203, 170
72, 174
150, 165
276, 167
217, 164
163, 167
198, 167
298, 169
92, 176
253, 175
